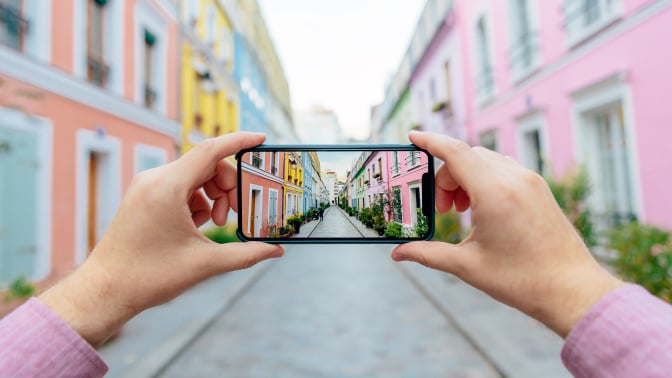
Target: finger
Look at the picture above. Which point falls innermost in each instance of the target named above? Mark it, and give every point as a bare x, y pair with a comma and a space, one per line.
462, 201
459, 159
436, 255
198, 165
224, 180
444, 200
221, 258
200, 208
220, 210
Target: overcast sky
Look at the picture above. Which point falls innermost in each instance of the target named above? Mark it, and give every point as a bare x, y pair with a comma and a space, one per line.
339, 54
338, 161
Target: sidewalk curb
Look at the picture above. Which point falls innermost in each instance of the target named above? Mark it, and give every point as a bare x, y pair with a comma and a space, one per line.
514, 344
156, 361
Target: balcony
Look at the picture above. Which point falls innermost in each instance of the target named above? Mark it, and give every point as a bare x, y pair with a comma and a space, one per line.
13, 26
97, 72
396, 168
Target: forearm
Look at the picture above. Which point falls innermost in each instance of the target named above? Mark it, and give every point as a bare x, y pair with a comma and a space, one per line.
86, 301
35, 342
628, 333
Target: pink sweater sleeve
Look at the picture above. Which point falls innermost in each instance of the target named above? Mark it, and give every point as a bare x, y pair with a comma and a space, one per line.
35, 342
628, 333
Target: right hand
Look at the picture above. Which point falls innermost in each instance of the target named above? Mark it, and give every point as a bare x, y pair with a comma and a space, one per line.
522, 250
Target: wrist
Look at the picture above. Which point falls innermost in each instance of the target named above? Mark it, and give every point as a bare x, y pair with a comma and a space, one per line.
581, 292
85, 300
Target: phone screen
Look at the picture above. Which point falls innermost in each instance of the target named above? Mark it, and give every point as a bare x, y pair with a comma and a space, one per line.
342, 194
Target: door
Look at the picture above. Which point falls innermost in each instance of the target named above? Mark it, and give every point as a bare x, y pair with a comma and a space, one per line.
416, 203
93, 202
19, 169
255, 213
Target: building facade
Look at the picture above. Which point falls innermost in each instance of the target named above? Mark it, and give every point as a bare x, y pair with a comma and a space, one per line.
560, 85
262, 186
82, 110
209, 92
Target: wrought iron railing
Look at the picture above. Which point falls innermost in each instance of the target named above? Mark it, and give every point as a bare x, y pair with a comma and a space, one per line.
485, 83
256, 160
412, 159
97, 71
150, 96
524, 50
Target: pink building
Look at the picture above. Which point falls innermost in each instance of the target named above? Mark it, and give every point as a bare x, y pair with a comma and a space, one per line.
376, 176
405, 182
562, 84
88, 98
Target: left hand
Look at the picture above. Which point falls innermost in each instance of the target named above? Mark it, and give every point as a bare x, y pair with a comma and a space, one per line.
153, 250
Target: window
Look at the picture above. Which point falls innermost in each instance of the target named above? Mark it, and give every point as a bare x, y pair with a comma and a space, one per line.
196, 101
412, 159
583, 18
257, 159
97, 71
13, 26
531, 155
488, 140
150, 61
272, 208
380, 169
396, 167
610, 173
274, 162
396, 204
484, 80
524, 39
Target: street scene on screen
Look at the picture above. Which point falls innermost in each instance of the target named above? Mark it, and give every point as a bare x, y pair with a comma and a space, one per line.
333, 194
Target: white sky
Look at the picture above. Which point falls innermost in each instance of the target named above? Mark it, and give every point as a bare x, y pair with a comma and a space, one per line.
338, 161
339, 53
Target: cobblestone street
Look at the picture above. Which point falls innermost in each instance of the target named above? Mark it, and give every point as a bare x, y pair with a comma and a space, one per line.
335, 224
334, 311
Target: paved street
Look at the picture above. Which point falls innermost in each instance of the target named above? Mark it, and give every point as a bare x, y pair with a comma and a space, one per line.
334, 311
336, 224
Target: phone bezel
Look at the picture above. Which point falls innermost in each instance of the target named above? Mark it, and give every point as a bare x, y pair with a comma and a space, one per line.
427, 192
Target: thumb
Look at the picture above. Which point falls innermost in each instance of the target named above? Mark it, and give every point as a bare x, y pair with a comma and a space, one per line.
449, 258
222, 258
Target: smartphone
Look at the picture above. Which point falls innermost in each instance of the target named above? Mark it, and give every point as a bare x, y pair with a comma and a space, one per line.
335, 194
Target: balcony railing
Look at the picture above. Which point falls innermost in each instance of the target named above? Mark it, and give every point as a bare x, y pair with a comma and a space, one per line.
256, 160
485, 83
523, 51
150, 96
396, 168
13, 26
97, 71
412, 159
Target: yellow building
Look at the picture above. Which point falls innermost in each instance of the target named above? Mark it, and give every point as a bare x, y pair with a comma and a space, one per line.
209, 92
293, 187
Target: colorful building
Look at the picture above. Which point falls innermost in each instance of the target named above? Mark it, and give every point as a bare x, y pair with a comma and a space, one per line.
83, 108
558, 90
262, 186
209, 92
293, 185
377, 175
308, 180
405, 182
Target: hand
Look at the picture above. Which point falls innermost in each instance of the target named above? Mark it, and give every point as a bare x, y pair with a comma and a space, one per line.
153, 250
522, 249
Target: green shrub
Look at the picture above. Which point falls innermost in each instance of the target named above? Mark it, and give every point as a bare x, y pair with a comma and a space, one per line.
366, 216
571, 193
295, 222
421, 227
393, 230
447, 228
222, 235
644, 257
20, 288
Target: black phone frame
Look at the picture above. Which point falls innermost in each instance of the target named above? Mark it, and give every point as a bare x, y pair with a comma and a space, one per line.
427, 192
